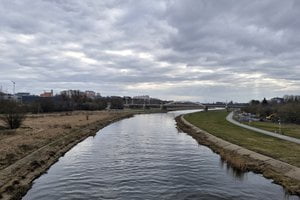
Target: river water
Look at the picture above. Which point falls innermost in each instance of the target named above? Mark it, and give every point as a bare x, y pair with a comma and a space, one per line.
146, 157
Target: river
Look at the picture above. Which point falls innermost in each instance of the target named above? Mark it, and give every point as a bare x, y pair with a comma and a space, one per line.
146, 157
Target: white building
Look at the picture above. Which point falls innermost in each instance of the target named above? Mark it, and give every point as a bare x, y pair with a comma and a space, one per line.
90, 94
142, 97
70, 93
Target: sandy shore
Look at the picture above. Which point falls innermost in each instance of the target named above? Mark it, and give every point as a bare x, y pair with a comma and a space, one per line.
245, 160
29, 151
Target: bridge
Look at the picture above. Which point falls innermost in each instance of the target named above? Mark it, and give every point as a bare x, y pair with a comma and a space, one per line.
183, 105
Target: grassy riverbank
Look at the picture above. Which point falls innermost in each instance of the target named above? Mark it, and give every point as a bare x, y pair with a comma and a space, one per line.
292, 130
215, 123
29, 151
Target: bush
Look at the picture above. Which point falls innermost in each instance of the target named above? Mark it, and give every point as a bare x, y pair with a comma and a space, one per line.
13, 114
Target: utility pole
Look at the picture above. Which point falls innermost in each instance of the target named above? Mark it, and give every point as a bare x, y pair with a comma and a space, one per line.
14, 87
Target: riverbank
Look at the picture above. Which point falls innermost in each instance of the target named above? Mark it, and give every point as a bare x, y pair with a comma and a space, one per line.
287, 175
29, 151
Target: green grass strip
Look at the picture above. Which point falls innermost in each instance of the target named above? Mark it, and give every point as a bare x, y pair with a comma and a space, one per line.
215, 123
292, 130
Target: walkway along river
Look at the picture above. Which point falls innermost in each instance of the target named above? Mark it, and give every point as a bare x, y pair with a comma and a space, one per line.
145, 157
269, 133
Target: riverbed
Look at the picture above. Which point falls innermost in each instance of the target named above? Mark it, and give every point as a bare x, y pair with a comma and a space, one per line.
146, 157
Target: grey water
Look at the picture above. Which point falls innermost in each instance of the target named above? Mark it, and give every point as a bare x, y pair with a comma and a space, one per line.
146, 157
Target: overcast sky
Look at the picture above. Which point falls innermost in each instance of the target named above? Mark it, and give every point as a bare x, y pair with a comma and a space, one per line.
201, 50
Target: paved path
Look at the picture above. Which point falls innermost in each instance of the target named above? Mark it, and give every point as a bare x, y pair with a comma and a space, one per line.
283, 137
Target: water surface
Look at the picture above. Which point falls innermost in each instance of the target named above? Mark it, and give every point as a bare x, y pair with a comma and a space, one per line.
145, 157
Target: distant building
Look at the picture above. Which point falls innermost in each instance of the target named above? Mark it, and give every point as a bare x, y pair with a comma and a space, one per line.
155, 101
10, 97
22, 97
47, 94
277, 100
30, 98
3, 96
127, 100
291, 97
140, 99
143, 97
90, 94
25, 97
71, 93
22, 94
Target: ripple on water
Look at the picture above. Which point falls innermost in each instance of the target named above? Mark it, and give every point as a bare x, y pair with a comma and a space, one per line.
146, 158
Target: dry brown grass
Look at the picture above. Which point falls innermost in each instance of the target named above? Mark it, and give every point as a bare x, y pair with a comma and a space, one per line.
32, 149
39, 130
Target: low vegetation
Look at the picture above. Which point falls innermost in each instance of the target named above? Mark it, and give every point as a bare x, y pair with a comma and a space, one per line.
215, 123
13, 114
292, 130
60, 103
66, 103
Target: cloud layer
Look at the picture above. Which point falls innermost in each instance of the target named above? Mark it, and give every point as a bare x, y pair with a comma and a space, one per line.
203, 50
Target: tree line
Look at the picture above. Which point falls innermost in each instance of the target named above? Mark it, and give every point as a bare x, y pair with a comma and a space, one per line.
13, 113
287, 110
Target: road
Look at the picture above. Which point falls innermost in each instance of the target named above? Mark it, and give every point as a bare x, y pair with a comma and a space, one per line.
283, 137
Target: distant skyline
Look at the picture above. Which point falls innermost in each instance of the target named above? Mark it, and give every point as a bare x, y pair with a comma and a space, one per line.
58, 92
198, 50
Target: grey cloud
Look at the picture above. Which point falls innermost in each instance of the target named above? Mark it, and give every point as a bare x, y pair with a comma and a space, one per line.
195, 48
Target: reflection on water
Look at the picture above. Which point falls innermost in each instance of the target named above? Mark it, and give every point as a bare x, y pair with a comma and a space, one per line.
145, 157
234, 172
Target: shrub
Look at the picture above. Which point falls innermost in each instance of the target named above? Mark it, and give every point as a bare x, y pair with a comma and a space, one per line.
13, 114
